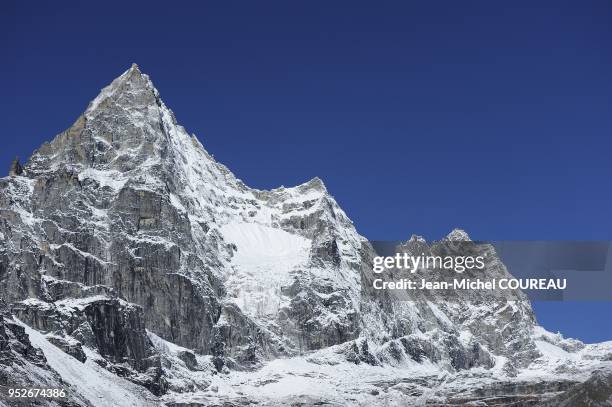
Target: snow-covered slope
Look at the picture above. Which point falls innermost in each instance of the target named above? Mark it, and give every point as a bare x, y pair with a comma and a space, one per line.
94, 383
262, 265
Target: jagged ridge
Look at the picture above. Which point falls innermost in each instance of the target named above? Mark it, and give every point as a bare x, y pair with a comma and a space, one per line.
125, 238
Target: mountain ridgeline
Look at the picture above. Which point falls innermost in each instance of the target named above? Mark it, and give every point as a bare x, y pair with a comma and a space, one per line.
127, 249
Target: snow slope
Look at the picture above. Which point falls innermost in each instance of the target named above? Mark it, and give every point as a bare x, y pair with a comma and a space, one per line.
262, 263
96, 384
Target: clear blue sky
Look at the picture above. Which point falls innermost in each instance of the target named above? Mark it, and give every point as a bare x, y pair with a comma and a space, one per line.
419, 116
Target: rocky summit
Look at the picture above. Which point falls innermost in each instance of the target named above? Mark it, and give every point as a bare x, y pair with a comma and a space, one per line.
135, 270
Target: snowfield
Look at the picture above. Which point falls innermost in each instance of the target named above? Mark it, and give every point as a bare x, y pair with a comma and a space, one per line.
263, 261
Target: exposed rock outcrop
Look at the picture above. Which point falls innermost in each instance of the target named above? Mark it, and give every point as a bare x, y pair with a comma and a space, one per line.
16, 168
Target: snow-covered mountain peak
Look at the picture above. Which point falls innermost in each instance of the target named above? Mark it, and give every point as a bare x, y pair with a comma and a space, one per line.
129, 83
316, 183
414, 238
458, 235
124, 228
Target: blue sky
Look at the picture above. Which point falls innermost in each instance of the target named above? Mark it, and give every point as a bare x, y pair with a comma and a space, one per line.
419, 116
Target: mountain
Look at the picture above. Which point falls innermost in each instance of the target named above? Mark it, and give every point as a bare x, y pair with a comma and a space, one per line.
137, 270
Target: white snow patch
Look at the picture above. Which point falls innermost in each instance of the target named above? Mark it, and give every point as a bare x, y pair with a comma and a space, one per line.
441, 316
259, 244
80, 303
263, 262
80, 252
285, 381
165, 346
553, 352
110, 178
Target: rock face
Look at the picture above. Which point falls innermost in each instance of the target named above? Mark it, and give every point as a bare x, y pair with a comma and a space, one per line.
113, 327
73, 348
595, 392
126, 203
16, 168
13, 339
22, 365
130, 247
